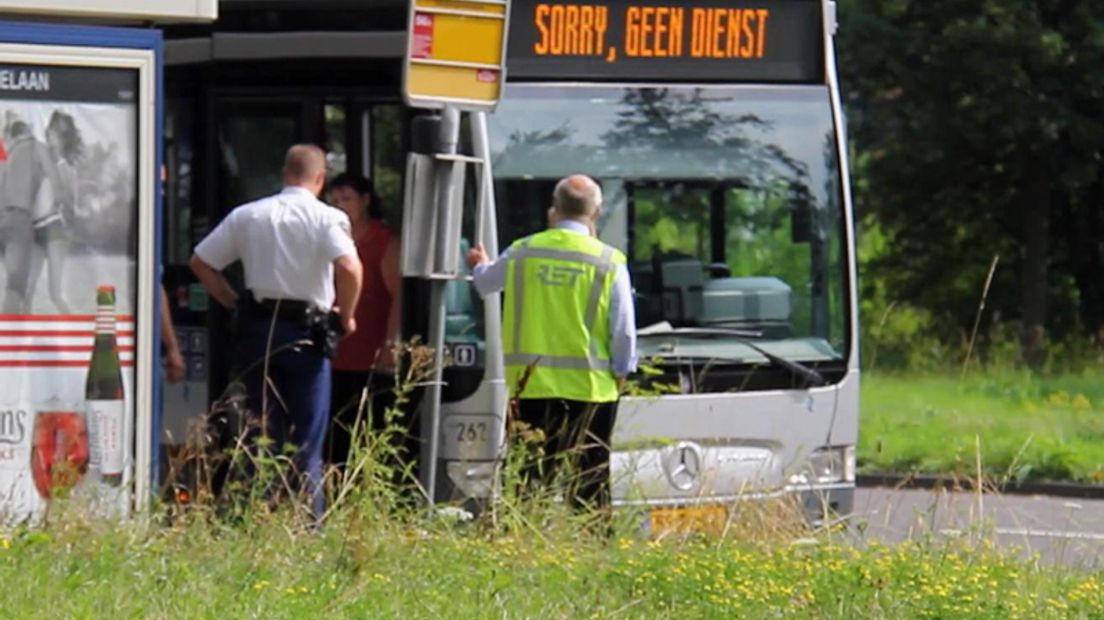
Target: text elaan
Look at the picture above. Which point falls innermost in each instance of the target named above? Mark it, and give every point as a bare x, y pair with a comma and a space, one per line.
24, 80
654, 31
571, 29
728, 33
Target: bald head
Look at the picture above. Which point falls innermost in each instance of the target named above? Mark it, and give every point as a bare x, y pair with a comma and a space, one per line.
305, 166
577, 197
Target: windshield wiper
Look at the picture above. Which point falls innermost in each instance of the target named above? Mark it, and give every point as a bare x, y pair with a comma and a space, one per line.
810, 375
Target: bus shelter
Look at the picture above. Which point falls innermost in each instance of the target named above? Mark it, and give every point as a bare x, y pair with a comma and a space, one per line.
80, 150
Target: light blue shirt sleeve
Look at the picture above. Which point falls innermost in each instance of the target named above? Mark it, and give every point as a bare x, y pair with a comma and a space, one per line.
623, 324
490, 278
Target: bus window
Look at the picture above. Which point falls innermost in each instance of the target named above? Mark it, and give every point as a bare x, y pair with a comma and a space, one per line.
733, 219
180, 175
388, 158
522, 207
670, 219
252, 142
464, 314
337, 160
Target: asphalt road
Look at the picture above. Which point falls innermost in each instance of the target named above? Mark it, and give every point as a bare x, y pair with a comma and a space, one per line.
1060, 530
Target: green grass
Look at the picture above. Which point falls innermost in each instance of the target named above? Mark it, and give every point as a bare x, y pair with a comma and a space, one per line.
1029, 427
379, 567
530, 558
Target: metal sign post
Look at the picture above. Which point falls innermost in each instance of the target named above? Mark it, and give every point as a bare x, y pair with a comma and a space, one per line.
455, 61
433, 206
486, 232
444, 254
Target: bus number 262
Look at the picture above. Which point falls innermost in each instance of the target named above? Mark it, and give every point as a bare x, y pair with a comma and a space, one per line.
467, 432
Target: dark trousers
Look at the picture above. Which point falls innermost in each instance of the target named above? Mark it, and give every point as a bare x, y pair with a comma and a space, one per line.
576, 434
294, 407
346, 414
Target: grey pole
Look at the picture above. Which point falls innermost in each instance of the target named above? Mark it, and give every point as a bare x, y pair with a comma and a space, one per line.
486, 230
487, 233
449, 136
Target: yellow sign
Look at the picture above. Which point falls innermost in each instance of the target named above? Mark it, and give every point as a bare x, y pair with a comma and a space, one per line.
456, 53
707, 519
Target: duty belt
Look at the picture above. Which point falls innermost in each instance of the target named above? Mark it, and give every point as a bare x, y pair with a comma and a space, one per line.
290, 309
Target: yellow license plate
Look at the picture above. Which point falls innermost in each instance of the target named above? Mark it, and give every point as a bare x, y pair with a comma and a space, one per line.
689, 520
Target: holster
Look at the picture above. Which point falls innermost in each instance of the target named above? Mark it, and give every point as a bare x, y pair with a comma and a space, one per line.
323, 326
325, 330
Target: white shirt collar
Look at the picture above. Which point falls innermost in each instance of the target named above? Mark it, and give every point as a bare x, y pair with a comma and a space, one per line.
302, 191
573, 226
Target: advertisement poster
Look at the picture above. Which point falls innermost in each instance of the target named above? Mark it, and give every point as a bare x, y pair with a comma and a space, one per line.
68, 286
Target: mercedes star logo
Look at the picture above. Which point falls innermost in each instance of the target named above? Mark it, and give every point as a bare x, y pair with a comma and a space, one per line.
684, 465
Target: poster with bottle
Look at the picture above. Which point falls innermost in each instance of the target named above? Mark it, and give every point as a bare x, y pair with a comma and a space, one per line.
74, 208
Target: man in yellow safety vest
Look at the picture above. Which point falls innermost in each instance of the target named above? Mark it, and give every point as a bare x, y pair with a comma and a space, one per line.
569, 334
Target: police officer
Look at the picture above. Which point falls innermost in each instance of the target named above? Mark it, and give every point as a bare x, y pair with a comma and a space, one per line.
569, 333
295, 251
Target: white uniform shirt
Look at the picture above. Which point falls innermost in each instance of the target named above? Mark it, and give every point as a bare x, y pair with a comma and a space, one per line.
287, 244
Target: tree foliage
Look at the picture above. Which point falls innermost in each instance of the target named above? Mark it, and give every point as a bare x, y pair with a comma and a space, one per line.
979, 131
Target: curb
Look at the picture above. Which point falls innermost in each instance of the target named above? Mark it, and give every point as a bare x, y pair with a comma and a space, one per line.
929, 481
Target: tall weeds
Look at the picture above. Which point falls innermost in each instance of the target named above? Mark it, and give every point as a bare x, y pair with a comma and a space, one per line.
377, 491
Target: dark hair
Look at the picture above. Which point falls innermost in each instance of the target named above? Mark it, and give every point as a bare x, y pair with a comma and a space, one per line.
18, 129
72, 146
362, 186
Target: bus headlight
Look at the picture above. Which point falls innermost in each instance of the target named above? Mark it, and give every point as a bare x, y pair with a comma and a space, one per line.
474, 479
828, 465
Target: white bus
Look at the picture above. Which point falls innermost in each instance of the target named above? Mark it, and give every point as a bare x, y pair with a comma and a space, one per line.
715, 129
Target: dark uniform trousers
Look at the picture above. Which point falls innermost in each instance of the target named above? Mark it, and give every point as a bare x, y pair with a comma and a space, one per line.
293, 406
576, 435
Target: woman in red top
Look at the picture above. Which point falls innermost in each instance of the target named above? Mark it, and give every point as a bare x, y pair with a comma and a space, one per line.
364, 358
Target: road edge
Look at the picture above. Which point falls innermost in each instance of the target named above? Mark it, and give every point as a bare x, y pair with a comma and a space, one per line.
930, 481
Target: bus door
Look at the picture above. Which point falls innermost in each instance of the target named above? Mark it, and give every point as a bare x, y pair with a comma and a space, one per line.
227, 149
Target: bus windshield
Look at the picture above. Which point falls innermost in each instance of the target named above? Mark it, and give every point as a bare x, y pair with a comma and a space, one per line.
726, 200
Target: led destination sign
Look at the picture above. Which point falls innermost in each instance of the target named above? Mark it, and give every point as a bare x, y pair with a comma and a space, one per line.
709, 40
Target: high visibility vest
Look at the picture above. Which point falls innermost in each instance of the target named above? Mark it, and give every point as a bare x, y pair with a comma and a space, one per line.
556, 335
